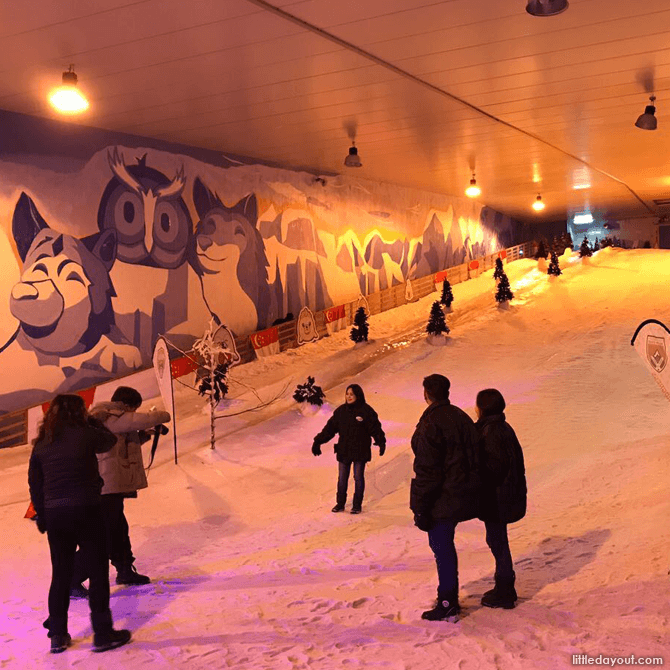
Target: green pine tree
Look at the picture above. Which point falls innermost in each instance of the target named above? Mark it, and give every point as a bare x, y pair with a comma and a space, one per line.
359, 332
437, 324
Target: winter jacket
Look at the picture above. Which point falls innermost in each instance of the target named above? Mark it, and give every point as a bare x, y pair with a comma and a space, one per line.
356, 424
446, 484
122, 468
503, 471
64, 471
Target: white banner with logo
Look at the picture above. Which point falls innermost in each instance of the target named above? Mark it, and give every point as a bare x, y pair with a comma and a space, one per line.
652, 342
163, 370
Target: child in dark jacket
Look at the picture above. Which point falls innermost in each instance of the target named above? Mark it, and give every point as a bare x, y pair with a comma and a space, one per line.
357, 424
504, 491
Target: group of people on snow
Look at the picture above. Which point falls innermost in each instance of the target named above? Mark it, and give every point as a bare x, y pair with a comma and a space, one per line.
82, 468
462, 470
85, 464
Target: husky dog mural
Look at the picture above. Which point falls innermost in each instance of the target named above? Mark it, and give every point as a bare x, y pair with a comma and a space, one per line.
67, 336
231, 253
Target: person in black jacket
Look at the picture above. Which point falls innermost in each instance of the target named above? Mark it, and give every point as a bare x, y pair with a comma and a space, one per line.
357, 425
65, 490
504, 498
446, 488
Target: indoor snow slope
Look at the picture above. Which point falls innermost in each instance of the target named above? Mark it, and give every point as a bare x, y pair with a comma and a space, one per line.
252, 571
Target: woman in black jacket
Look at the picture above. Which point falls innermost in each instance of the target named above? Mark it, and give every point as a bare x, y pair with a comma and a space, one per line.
357, 424
504, 491
65, 491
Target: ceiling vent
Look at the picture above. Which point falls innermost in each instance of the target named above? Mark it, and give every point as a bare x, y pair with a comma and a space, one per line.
662, 202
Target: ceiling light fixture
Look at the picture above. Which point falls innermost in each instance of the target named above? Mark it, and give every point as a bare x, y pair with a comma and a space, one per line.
67, 99
473, 191
353, 160
546, 7
538, 205
647, 121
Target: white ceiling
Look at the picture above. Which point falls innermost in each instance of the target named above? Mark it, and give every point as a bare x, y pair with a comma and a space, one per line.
235, 76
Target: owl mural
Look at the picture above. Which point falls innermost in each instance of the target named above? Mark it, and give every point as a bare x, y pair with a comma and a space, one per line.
147, 211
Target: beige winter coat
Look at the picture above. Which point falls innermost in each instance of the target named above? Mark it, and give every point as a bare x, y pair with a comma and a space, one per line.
122, 468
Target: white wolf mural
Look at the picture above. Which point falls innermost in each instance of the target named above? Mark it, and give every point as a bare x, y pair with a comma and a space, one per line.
67, 337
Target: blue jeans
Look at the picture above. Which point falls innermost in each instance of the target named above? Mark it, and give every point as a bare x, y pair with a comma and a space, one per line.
441, 540
343, 482
496, 538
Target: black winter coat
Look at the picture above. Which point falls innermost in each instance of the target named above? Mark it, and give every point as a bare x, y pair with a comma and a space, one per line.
64, 472
446, 484
357, 424
503, 471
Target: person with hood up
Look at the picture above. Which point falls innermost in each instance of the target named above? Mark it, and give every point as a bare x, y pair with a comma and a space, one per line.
504, 491
357, 424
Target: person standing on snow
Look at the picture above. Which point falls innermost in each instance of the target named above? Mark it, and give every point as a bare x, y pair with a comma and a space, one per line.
504, 491
357, 424
65, 489
122, 471
446, 487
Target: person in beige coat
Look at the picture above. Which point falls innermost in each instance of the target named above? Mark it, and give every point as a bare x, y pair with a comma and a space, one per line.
122, 471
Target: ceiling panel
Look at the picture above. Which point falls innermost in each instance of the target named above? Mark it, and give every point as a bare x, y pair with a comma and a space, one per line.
238, 77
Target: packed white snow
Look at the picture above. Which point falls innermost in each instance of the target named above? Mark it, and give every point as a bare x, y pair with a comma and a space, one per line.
252, 571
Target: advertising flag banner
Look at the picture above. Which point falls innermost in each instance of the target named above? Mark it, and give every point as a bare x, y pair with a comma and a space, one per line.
336, 318
265, 342
652, 343
163, 371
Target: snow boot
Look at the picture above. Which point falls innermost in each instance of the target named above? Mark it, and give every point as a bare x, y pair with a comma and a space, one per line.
59, 643
446, 609
338, 508
78, 592
127, 574
355, 510
105, 637
502, 596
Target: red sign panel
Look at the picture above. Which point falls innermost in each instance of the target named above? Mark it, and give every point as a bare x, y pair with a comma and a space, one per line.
335, 313
474, 265
263, 338
182, 366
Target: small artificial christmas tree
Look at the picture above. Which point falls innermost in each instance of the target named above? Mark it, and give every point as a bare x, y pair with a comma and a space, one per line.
504, 293
359, 333
541, 251
585, 249
596, 246
220, 383
310, 393
498, 272
554, 268
437, 324
447, 295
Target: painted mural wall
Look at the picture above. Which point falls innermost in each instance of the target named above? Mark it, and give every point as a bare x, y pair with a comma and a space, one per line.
109, 240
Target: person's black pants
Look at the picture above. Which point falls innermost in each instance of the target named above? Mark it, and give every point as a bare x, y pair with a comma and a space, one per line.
116, 526
441, 541
496, 538
116, 535
343, 482
68, 527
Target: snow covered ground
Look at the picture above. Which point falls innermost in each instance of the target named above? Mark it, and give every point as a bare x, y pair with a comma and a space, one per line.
252, 571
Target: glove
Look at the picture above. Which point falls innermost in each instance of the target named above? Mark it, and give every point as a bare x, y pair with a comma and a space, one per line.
316, 449
424, 522
382, 449
41, 526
